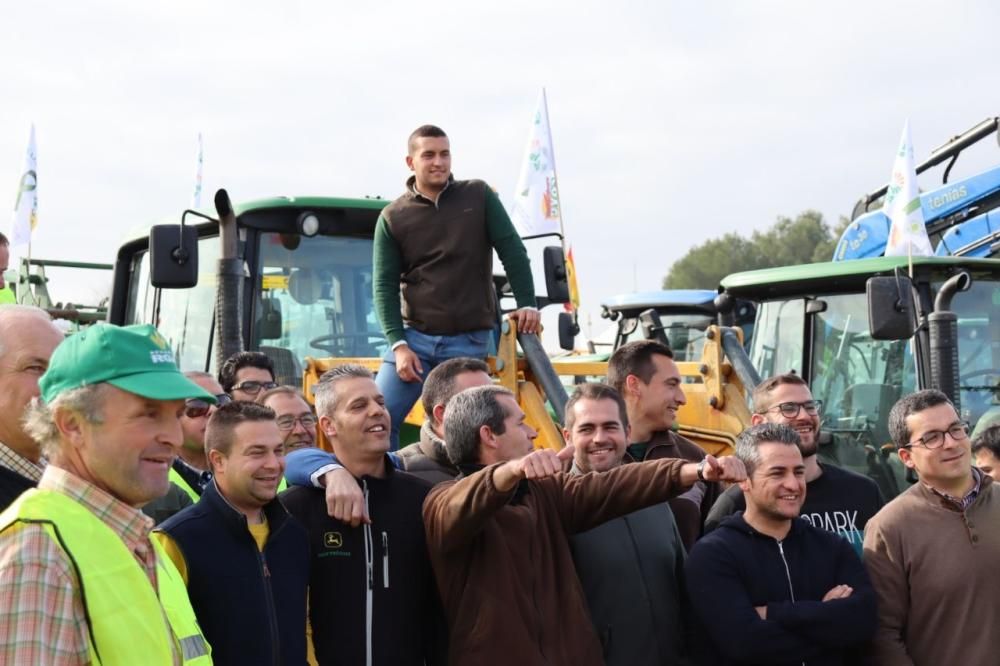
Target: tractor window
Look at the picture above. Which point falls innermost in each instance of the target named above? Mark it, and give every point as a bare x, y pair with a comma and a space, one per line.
686, 333
315, 300
777, 341
859, 380
978, 311
183, 316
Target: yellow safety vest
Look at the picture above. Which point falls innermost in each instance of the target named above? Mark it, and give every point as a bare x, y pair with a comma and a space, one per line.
7, 296
129, 622
176, 477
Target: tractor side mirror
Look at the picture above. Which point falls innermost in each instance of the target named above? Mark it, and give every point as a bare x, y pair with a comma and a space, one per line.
568, 330
173, 256
891, 309
556, 284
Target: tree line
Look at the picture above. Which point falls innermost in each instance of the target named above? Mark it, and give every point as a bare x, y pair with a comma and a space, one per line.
805, 239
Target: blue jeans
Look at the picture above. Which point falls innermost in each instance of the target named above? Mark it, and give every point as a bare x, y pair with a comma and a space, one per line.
432, 350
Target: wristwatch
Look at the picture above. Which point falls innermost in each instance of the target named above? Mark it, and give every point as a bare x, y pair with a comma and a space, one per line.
701, 470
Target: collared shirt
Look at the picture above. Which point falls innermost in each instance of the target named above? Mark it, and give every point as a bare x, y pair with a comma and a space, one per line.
970, 497
17, 463
42, 619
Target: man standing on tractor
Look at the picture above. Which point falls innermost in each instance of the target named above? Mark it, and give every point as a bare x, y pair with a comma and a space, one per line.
434, 247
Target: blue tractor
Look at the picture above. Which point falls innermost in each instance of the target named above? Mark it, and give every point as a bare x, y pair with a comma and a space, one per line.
962, 218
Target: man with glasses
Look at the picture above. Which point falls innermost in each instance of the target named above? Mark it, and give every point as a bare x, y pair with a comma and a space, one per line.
191, 470
837, 500
293, 415
932, 551
245, 374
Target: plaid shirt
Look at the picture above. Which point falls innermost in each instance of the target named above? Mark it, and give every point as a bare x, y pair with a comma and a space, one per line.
17, 463
970, 497
42, 619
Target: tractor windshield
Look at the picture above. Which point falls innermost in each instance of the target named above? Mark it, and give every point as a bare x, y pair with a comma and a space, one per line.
857, 378
315, 299
978, 311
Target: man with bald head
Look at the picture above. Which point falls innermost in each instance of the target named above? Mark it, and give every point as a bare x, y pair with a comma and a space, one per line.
27, 339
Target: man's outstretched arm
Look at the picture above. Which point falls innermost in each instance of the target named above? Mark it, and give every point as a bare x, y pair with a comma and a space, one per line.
456, 512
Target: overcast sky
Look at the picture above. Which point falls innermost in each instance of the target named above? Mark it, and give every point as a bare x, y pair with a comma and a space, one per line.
673, 122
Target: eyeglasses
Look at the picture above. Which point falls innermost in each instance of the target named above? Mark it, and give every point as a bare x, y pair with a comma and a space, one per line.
935, 438
288, 422
791, 409
254, 387
195, 408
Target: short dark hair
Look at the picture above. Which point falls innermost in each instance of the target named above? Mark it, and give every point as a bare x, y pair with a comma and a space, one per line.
222, 424
467, 412
3, 241
439, 385
240, 360
421, 132
909, 405
989, 440
763, 390
635, 358
595, 391
748, 442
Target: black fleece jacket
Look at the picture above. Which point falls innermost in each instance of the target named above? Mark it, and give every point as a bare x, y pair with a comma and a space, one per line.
371, 587
735, 569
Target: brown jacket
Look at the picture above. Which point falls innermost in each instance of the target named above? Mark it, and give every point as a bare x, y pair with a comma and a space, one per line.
692, 506
504, 566
934, 569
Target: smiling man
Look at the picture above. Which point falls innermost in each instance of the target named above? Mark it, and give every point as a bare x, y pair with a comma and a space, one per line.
245, 562
767, 586
644, 373
932, 551
108, 422
499, 534
638, 617
433, 250
372, 598
293, 415
838, 500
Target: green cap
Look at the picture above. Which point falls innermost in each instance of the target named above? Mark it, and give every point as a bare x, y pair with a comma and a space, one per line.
133, 358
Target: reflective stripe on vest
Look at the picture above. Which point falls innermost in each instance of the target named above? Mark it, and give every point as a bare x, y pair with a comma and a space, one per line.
125, 614
176, 477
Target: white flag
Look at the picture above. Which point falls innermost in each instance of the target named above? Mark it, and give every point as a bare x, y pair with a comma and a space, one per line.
908, 233
26, 205
196, 199
536, 201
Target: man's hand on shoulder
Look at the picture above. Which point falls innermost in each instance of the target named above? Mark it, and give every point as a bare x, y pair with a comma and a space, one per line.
536, 465
344, 500
528, 320
408, 365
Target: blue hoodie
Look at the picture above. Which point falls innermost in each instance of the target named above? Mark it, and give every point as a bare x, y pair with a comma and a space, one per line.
736, 568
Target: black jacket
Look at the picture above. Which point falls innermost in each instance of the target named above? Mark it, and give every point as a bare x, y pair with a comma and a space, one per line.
371, 587
251, 605
735, 569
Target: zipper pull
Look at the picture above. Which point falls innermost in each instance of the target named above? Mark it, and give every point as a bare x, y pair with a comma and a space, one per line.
267, 572
385, 559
